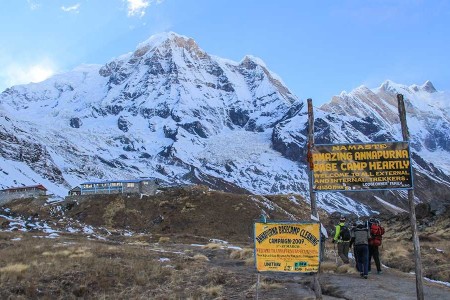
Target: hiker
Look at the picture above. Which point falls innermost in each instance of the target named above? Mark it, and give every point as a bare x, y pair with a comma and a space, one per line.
354, 252
376, 232
342, 238
360, 238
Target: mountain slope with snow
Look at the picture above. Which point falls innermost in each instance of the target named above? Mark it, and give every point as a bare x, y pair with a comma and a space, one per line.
172, 111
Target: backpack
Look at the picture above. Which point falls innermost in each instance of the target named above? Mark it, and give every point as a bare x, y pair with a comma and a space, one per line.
376, 232
344, 234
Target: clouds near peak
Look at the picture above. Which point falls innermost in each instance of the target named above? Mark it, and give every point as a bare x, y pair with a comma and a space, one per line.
73, 9
139, 7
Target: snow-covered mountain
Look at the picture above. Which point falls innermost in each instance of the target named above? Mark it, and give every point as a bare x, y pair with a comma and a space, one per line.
172, 111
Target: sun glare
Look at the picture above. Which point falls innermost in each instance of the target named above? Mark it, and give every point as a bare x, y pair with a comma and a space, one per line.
39, 73
26, 74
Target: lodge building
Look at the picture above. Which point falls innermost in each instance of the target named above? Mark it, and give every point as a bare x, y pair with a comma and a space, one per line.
20, 192
140, 186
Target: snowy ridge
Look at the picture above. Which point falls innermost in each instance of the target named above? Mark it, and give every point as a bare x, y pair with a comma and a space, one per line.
172, 111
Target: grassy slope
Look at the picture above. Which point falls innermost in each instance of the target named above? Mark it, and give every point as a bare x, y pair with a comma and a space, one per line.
165, 226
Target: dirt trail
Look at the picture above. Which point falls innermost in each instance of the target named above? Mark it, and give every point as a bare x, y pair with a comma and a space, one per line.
392, 284
389, 285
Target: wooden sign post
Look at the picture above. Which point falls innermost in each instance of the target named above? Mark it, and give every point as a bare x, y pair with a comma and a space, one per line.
317, 288
412, 210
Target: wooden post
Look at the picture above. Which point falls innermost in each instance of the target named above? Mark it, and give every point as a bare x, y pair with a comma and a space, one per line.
310, 145
412, 209
317, 288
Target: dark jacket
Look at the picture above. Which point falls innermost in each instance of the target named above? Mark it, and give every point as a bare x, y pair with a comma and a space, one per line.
360, 236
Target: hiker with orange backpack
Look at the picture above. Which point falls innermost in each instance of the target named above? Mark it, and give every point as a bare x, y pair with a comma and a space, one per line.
342, 238
376, 233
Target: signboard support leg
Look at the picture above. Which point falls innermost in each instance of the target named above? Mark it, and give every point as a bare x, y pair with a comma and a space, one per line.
412, 210
257, 286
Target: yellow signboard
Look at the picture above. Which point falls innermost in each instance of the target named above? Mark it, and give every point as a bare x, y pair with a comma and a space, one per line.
287, 247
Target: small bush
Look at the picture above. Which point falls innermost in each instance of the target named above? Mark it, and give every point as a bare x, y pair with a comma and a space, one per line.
14, 268
163, 240
249, 261
243, 254
57, 253
212, 246
200, 257
346, 268
328, 267
214, 291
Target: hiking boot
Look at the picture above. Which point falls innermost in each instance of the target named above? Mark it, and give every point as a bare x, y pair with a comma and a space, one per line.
361, 274
380, 272
365, 276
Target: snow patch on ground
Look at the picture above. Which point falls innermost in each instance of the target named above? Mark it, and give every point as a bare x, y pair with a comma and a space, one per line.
395, 208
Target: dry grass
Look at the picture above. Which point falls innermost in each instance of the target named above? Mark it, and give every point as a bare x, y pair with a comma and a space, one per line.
163, 203
200, 257
110, 211
250, 261
396, 250
163, 240
65, 253
188, 207
328, 267
212, 246
14, 268
70, 253
74, 267
268, 285
214, 291
139, 243
90, 269
242, 254
346, 268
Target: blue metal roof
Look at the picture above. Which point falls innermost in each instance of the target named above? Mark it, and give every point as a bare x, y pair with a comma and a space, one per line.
121, 181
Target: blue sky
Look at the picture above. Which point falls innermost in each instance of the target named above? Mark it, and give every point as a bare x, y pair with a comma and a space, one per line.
319, 48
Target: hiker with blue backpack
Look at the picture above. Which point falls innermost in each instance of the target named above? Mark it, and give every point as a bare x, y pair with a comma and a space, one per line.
360, 238
342, 238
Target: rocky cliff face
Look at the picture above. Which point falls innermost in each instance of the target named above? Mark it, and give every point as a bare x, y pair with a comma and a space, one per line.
170, 110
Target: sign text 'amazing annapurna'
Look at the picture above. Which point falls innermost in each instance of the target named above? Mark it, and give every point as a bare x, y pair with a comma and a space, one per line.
349, 167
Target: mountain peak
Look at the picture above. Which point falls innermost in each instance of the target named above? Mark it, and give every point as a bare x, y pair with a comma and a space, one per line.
253, 59
388, 85
428, 87
391, 86
168, 40
160, 38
